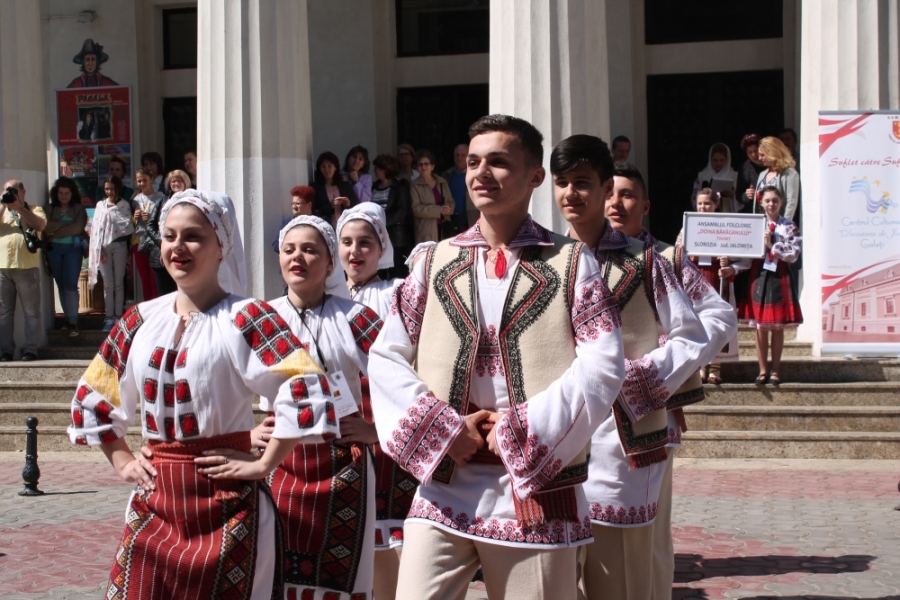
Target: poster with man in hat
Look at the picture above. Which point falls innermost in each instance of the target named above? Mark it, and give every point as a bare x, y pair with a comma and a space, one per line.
90, 58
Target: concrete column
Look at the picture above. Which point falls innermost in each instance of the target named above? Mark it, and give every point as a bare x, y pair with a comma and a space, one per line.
848, 61
548, 65
254, 132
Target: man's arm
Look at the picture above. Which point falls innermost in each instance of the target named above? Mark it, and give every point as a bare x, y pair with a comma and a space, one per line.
34, 219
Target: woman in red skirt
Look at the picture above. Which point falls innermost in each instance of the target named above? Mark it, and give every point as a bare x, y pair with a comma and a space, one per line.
772, 303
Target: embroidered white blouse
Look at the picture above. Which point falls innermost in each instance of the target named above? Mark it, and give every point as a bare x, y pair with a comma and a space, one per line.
619, 495
558, 422
377, 295
202, 386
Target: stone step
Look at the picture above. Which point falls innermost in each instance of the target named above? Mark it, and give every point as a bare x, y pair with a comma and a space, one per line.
85, 322
709, 418
748, 334
36, 392
791, 348
53, 438
883, 393
44, 370
68, 352
790, 444
809, 369
86, 337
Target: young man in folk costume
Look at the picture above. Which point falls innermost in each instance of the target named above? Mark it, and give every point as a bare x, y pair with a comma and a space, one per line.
501, 355
719, 321
628, 449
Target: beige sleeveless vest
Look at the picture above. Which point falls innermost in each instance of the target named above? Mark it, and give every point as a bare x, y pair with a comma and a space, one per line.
537, 343
629, 275
691, 391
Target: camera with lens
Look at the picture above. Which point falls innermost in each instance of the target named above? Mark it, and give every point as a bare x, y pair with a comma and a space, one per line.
33, 243
9, 196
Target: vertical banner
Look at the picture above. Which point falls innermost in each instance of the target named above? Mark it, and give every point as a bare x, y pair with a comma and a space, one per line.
859, 166
93, 130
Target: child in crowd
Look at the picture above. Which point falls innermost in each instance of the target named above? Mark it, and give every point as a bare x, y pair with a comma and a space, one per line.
111, 229
143, 204
719, 272
772, 303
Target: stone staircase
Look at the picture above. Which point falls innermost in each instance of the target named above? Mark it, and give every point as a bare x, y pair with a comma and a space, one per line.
827, 407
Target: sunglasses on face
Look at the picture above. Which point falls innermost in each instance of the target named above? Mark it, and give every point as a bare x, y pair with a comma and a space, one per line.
424, 164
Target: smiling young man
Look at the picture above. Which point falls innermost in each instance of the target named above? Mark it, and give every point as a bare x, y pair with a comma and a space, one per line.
501, 355
629, 203
628, 449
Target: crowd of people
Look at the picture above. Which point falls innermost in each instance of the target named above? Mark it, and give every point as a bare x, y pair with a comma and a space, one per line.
442, 375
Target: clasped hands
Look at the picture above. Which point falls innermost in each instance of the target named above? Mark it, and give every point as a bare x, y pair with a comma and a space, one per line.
469, 440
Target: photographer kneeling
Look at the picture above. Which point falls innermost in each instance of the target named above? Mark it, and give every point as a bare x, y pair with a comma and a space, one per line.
19, 269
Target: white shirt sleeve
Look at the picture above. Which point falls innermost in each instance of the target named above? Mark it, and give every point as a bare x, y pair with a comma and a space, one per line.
717, 316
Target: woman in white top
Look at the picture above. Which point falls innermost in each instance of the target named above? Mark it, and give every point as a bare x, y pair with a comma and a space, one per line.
111, 230
717, 167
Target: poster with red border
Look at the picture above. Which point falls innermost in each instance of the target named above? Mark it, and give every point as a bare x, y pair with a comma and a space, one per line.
93, 116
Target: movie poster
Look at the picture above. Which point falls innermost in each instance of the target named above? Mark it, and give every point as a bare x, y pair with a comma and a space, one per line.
94, 136
859, 156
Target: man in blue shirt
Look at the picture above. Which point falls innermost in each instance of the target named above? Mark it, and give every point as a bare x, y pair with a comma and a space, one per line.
464, 214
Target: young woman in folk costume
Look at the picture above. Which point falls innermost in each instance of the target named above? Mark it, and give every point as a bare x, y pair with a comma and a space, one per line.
364, 248
325, 492
199, 523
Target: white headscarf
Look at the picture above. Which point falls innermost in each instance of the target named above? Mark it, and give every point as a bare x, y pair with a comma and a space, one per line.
372, 214
336, 283
708, 174
219, 209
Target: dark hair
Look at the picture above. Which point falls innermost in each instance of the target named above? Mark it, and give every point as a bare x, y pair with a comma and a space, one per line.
155, 158
631, 172
582, 149
527, 134
64, 182
751, 139
194, 152
145, 173
388, 163
357, 150
333, 159
771, 188
117, 183
303, 191
619, 139
119, 160
790, 131
714, 196
423, 153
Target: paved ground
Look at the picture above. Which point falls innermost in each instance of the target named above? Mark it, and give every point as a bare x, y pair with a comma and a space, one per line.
743, 529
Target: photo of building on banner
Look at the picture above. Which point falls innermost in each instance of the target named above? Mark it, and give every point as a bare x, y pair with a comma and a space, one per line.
94, 136
859, 156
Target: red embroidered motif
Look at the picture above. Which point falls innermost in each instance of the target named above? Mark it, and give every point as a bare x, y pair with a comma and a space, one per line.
621, 515
595, 309
169, 424
664, 280
409, 302
522, 454
150, 423
168, 394
266, 334
156, 357
299, 389
365, 326
643, 389
108, 436
419, 438
171, 356
695, 284
102, 411
82, 392
182, 391
78, 417
182, 359
151, 389
189, 425
306, 417
488, 359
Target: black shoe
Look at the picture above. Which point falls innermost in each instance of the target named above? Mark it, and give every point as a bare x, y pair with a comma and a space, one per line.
28, 357
5, 357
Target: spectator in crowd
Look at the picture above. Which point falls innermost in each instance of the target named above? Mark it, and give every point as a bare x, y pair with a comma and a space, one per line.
302, 198
788, 137
65, 227
142, 205
432, 202
333, 194
621, 149
405, 156
393, 196
153, 163
20, 272
356, 169
119, 168
464, 212
717, 167
111, 230
190, 165
176, 181
748, 174
781, 174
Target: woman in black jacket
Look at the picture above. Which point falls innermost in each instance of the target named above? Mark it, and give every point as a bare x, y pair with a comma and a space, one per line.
333, 194
392, 195
745, 190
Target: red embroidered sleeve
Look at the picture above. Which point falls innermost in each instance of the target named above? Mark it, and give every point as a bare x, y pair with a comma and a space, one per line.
421, 438
695, 284
643, 390
664, 279
594, 309
409, 303
365, 326
266, 332
530, 464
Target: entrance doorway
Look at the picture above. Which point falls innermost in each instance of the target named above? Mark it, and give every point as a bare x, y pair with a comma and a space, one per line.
438, 118
180, 123
688, 113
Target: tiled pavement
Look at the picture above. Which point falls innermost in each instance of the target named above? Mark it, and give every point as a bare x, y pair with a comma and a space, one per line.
743, 529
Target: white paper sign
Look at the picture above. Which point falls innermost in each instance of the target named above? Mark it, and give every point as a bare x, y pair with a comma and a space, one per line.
737, 235
344, 404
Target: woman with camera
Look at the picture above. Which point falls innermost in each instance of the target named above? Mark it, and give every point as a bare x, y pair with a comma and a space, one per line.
65, 226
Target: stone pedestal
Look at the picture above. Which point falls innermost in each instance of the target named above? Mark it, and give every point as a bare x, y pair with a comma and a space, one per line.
254, 138
848, 61
549, 66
